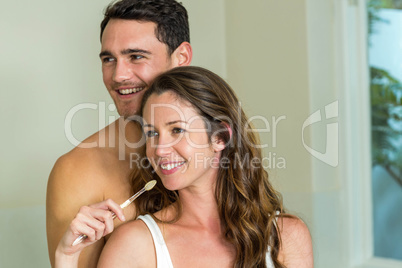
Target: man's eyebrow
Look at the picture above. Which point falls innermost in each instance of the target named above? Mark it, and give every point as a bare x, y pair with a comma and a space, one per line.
134, 50
125, 52
105, 53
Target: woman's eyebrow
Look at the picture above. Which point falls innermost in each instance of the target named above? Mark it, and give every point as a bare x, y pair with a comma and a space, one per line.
176, 121
167, 124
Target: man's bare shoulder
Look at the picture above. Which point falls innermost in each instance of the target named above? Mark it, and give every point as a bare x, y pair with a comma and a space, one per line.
131, 245
84, 157
79, 165
77, 178
88, 162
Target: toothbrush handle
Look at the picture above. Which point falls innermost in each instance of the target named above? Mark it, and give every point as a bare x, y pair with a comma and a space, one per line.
79, 240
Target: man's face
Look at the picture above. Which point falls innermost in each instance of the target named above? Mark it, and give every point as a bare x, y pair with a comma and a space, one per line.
131, 58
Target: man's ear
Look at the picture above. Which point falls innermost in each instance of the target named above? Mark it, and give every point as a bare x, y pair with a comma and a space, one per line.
183, 55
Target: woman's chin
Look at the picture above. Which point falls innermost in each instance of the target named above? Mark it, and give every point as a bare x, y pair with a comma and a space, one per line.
170, 185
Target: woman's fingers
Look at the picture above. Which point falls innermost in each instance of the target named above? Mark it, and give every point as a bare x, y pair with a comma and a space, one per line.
95, 221
109, 204
93, 230
99, 217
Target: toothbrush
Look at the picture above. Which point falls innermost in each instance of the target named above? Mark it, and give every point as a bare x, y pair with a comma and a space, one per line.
147, 187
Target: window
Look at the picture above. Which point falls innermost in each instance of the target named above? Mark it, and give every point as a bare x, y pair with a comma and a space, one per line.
385, 62
361, 209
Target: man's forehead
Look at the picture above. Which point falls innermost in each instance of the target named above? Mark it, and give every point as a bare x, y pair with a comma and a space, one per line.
129, 30
123, 35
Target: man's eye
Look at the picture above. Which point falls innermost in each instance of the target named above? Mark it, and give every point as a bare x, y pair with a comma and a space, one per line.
106, 60
177, 130
151, 133
136, 57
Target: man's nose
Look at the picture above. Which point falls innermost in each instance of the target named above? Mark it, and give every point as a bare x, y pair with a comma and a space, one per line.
122, 72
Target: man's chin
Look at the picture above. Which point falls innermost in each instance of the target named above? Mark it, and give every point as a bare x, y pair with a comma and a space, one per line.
127, 113
131, 116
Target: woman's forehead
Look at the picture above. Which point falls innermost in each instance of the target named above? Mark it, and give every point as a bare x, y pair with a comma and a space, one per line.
169, 106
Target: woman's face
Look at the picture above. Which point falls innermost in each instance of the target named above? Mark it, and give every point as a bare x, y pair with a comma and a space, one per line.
177, 143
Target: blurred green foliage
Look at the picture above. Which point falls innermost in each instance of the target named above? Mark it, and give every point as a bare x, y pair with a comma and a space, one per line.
386, 119
386, 108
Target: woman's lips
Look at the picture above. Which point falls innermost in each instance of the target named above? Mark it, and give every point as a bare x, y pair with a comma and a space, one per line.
170, 168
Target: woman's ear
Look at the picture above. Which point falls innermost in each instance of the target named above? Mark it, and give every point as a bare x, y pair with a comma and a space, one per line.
218, 143
229, 129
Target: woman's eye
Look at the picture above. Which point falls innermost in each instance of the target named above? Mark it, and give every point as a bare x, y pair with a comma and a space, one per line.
177, 130
151, 133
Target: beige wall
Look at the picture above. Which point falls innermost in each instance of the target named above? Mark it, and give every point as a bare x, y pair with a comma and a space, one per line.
267, 66
49, 64
207, 34
266, 49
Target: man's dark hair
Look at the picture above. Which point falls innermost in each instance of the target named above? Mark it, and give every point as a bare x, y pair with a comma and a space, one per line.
170, 17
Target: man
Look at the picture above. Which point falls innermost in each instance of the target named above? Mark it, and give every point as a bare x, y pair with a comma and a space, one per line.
139, 40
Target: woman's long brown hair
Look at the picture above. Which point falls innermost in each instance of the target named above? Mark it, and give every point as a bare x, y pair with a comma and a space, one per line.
247, 202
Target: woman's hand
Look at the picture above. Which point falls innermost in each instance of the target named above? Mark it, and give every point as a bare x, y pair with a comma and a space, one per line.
94, 221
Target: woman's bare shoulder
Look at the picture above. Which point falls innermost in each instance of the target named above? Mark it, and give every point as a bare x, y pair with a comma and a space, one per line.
130, 245
296, 248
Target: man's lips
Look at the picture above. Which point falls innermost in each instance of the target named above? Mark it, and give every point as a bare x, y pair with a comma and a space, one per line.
128, 91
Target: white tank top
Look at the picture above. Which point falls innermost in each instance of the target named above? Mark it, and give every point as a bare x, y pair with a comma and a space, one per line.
162, 254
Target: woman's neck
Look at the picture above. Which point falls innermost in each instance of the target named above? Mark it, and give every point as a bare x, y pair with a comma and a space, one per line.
199, 207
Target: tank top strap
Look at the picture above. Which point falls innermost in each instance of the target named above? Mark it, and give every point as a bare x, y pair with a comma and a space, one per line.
163, 259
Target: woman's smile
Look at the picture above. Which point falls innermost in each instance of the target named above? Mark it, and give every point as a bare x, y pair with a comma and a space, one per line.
171, 167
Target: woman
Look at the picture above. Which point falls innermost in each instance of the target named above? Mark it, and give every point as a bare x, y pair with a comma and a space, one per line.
213, 205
